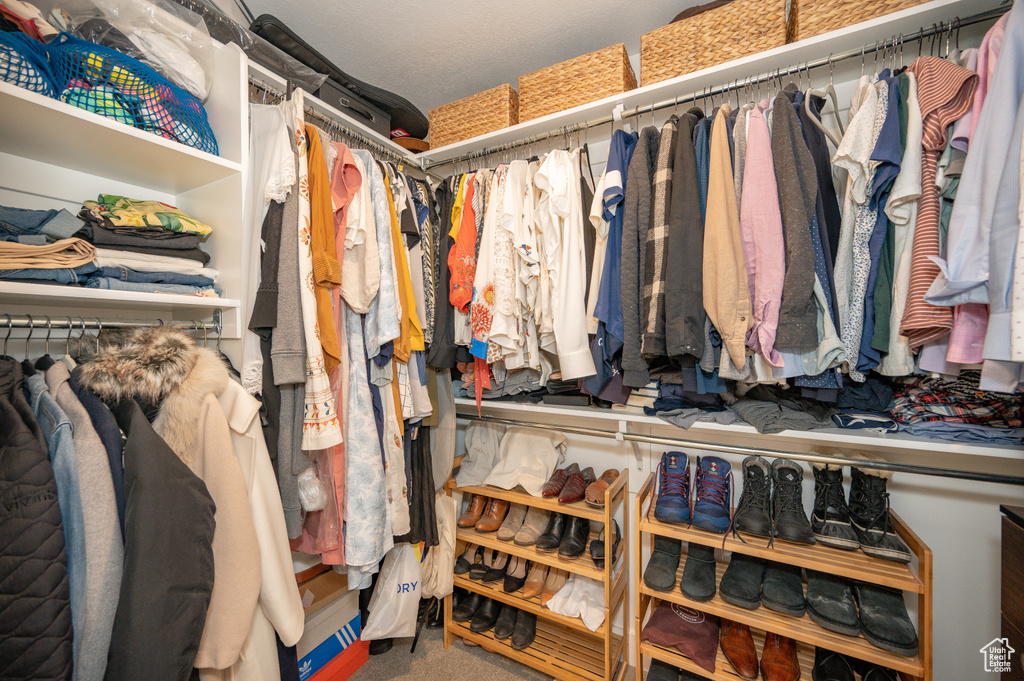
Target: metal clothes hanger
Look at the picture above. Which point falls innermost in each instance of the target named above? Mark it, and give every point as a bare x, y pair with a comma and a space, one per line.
10, 326
49, 328
99, 330
31, 328
67, 339
828, 93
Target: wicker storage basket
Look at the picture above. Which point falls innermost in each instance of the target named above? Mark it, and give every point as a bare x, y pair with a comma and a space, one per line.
478, 114
814, 17
738, 29
578, 81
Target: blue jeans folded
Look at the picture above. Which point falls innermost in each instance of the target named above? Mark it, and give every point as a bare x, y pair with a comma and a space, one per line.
142, 287
77, 275
15, 222
129, 275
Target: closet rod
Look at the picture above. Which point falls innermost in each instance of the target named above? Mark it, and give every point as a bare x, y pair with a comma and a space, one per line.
373, 145
894, 42
43, 323
759, 451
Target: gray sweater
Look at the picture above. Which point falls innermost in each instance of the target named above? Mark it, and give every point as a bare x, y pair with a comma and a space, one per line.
798, 191
104, 551
635, 222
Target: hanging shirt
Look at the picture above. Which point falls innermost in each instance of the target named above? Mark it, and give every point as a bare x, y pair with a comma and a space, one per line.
761, 221
944, 92
902, 213
726, 293
320, 427
383, 316
964, 272
654, 251
326, 269
559, 181
357, 242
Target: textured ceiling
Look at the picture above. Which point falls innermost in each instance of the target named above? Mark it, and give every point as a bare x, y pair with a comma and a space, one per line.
435, 52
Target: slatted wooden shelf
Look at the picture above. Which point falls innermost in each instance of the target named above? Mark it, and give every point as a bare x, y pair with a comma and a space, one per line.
580, 508
565, 649
915, 578
799, 628
516, 600
723, 670
850, 564
558, 651
584, 565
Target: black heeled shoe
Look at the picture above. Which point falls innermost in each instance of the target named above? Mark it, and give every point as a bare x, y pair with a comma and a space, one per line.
597, 546
463, 564
498, 569
485, 562
515, 578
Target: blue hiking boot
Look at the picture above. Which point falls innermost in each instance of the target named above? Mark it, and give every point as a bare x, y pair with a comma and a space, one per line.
714, 494
673, 503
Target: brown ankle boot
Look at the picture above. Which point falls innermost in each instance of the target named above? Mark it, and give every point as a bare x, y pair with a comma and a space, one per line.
493, 516
473, 511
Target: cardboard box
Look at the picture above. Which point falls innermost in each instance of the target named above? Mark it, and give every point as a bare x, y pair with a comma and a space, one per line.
322, 661
322, 625
322, 590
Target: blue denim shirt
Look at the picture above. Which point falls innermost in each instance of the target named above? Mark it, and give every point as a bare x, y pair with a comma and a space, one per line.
57, 430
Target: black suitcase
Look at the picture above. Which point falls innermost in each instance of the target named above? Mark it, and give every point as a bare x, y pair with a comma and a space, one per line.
363, 98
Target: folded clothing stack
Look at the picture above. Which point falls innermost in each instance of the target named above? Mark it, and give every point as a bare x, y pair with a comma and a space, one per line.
114, 243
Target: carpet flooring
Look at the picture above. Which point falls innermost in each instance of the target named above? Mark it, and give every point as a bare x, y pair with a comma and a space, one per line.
432, 662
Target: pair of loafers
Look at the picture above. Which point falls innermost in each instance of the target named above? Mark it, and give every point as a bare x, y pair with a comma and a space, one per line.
568, 484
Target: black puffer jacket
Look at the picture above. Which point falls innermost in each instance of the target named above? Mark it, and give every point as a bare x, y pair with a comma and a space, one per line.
35, 606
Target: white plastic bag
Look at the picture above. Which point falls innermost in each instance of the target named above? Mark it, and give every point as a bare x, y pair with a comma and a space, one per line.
396, 597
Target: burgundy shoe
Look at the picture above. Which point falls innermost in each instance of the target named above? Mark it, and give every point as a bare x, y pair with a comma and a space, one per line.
576, 486
553, 487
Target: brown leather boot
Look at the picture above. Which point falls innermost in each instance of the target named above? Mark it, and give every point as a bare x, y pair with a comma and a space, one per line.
493, 516
576, 486
473, 511
738, 646
553, 487
778, 659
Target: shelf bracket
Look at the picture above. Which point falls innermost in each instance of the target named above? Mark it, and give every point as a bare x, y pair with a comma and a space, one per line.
625, 427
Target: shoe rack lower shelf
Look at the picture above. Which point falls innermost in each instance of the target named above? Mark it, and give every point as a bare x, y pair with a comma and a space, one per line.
584, 565
533, 605
723, 670
802, 629
849, 564
558, 652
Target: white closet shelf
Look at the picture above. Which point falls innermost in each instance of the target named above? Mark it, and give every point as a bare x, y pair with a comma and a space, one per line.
73, 297
51, 131
838, 441
269, 78
803, 51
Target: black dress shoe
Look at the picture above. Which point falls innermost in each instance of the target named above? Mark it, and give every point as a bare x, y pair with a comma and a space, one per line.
464, 611
870, 671
496, 573
574, 541
552, 536
486, 616
380, 646
435, 614
525, 631
506, 623
830, 666
515, 577
597, 546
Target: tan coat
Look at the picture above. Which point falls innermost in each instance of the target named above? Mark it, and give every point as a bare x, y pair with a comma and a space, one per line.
163, 366
280, 606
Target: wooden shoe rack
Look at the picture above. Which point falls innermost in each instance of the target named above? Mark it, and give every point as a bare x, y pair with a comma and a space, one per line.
853, 565
564, 648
